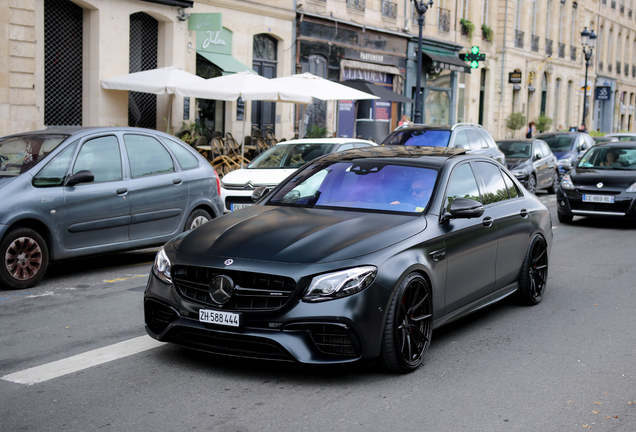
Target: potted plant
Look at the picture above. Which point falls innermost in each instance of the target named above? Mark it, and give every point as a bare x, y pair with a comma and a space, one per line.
467, 29
514, 122
543, 123
486, 33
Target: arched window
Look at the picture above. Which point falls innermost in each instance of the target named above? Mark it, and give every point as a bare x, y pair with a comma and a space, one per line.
142, 107
544, 92
62, 63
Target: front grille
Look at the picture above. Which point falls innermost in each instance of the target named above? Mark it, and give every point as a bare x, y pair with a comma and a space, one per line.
251, 290
158, 316
238, 200
331, 339
618, 207
231, 344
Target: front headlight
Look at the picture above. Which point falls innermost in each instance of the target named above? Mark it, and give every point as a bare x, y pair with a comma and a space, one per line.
340, 284
565, 161
519, 173
161, 267
632, 188
566, 183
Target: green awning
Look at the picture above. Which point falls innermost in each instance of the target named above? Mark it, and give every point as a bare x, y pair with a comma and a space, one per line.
446, 61
225, 62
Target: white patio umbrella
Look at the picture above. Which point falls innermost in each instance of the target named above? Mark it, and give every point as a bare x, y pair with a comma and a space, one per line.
157, 81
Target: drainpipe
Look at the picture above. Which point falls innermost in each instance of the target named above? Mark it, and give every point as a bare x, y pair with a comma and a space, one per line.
503, 66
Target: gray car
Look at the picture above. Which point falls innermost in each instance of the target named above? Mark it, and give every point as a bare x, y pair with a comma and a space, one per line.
74, 192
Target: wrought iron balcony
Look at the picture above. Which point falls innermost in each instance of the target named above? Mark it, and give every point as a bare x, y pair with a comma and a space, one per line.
356, 4
415, 16
534, 43
548, 47
626, 69
443, 19
389, 9
618, 67
519, 38
573, 53
561, 50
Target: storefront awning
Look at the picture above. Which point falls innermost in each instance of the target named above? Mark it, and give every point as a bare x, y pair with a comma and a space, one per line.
225, 62
446, 61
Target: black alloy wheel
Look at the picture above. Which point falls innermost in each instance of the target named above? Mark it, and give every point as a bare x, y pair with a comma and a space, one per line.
409, 325
25, 257
534, 273
532, 184
555, 181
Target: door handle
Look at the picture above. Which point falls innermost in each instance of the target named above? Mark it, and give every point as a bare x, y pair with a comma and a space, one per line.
177, 181
487, 222
524, 213
122, 191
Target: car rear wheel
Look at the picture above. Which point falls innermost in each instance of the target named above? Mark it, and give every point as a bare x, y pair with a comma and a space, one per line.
534, 273
555, 182
532, 184
197, 218
25, 258
409, 326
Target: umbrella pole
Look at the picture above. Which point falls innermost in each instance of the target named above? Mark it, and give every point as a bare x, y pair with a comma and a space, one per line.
243, 140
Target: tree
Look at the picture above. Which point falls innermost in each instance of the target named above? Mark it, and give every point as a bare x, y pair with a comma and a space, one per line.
514, 122
543, 123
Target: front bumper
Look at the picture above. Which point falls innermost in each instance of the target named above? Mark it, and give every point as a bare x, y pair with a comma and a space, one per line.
235, 196
330, 332
570, 203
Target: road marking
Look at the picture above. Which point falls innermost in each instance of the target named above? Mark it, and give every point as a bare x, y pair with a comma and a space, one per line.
83, 361
126, 278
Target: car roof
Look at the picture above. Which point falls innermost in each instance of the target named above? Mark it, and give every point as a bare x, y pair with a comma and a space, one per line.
617, 144
559, 133
74, 130
520, 140
615, 134
326, 141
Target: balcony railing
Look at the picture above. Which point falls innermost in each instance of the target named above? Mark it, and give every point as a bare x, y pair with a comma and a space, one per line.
356, 4
519, 38
415, 16
548, 47
626, 69
600, 66
561, 50
573, 53
443, 19
534, 43
618, 67
389, 9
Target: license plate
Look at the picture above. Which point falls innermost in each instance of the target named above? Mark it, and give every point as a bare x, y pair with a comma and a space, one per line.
234, 207
220, 317
609, 199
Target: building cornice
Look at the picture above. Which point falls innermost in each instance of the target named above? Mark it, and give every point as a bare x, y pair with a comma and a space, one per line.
251, 7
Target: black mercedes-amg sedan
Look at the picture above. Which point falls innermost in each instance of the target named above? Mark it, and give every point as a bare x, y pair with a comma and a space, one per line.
601, 185
358, 255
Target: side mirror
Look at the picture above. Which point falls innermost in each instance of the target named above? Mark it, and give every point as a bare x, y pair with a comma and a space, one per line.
537, 156
464, 208
260, 192
583, 147
567, 166
83, 176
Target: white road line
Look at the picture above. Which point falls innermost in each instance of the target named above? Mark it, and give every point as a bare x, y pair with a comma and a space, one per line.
79, 362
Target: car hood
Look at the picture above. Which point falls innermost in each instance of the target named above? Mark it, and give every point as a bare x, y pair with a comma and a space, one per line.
6, 180
517, 163
562, 154
298, 235
258, 177
617, 179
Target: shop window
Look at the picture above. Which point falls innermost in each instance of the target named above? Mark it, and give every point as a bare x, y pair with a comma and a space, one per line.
265, 63
142, 107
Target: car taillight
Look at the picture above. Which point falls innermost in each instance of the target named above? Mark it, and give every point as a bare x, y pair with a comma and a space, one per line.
218, 183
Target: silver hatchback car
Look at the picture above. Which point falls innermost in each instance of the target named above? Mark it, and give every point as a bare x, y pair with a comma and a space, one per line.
74, 192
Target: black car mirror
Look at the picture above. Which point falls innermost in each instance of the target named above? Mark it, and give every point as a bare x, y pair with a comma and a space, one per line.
537, 156
464, 208
260, 192
583, 147
83, 176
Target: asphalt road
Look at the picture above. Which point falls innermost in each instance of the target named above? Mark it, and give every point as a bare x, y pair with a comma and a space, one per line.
564, 365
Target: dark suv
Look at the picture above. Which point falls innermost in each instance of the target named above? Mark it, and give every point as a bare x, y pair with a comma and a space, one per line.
470, 136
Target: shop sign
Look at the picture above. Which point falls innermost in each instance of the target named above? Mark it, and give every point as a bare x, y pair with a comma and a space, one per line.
215, 41
514, 77
346, 118
205, 22
378, 58
367, 75
449, 66
382, 110
603, 93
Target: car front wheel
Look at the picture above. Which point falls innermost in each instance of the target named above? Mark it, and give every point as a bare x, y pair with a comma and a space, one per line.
409, 325
25, 257
555, 181
534, 273
532, 184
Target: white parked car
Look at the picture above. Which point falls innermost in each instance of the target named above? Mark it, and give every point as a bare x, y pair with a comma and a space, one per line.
275, 164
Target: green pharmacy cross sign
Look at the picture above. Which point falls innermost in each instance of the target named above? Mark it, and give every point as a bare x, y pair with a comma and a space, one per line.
473, 57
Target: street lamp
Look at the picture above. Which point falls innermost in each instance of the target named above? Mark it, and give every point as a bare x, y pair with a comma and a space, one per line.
588, 40
421, 8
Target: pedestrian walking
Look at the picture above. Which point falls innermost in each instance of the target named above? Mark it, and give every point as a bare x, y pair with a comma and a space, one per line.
530, 130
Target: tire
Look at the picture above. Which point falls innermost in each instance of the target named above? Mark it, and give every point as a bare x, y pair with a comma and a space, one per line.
565, 219
534, 272
197, 218
25, 258
555, 181
532, 184
407, 332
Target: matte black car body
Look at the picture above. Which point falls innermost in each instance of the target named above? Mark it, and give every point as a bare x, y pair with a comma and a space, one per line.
273, 253
51, 213
567, 147
613, 183
535, 169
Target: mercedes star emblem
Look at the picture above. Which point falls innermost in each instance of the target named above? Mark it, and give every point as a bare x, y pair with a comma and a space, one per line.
221, 289
599, 185
228, 262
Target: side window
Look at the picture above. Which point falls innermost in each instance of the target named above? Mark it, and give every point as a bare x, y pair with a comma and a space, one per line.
346, 147
590, 141
487, 139
100, 156
546, 150
186, 159
461, 140
462, 184
512, 187
54, 172
495, 188
474, 140
147, 156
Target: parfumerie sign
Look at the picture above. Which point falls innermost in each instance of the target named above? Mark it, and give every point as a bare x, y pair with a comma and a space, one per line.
514, 78
211, 36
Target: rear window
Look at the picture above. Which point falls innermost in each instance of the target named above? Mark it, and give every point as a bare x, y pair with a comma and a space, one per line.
430, 138
290, 155
559, 143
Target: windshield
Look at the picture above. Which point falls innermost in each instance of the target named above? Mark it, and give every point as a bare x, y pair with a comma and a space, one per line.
289, 155
361, 185
19, 154
609, 158
519, 150
431, 138
559, 143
